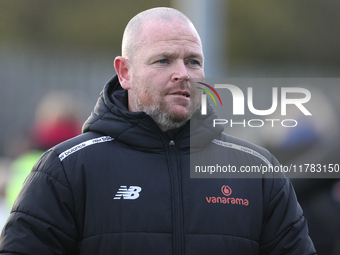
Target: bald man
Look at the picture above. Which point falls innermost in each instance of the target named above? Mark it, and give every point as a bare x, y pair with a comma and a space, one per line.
161, 51
124, 186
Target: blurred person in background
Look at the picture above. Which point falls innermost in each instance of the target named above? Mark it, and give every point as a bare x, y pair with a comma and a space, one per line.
4, 208
57, 119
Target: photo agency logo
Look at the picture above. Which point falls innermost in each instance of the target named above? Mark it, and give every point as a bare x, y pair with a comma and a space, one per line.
204, 97
295, 96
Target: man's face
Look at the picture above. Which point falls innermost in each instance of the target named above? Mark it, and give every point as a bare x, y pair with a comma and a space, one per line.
169, 54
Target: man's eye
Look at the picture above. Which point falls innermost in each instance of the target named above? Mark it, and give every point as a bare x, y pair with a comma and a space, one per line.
194, 62
162, 61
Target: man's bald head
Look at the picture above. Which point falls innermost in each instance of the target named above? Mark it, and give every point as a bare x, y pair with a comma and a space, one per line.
161, 52
133, 30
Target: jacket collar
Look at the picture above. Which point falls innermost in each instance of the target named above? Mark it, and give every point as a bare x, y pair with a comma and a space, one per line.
111, 117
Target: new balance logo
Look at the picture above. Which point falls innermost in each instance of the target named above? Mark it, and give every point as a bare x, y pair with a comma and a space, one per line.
128, 193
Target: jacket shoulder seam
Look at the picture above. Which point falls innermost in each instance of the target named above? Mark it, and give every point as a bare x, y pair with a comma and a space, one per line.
285, 182
54, 178
83, 145
279, 190
68, 182
243, 149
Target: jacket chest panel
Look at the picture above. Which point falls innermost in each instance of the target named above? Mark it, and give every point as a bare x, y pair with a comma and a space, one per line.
122, 196
223, 207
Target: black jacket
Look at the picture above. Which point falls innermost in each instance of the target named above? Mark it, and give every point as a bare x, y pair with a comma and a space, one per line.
124, 187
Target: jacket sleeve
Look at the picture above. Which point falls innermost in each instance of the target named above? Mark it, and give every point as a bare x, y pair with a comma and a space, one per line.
42, 217
284, 228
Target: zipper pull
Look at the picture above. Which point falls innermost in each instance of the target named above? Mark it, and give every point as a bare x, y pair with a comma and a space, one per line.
171, 143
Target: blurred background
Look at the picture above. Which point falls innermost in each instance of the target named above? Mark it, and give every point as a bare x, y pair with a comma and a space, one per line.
56, 56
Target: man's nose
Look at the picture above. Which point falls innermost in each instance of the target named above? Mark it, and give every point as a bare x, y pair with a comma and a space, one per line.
180, 72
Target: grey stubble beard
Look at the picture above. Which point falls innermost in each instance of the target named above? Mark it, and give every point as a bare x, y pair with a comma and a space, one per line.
163, 118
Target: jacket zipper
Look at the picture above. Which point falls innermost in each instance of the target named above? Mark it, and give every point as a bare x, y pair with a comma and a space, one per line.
176, 192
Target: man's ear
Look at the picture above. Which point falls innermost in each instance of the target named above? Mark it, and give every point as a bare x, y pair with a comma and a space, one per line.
122, 66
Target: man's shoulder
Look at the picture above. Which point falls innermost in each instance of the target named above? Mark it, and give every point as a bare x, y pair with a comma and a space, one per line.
226, 140
245, 154
80, 142
65, 155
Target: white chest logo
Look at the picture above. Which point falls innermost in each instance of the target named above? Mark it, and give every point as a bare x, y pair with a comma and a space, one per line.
128, 193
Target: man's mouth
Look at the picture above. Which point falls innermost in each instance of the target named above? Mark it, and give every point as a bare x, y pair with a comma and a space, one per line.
182, 93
